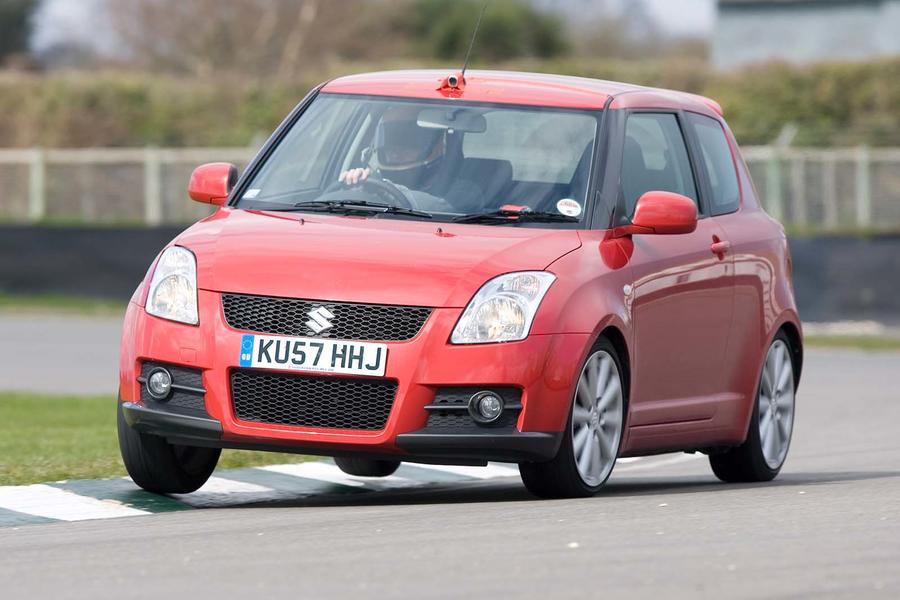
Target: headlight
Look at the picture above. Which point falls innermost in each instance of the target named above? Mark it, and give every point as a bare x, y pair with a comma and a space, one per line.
503, 309
173, 289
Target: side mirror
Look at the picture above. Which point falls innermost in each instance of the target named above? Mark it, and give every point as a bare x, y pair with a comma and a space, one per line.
211, 183
662, 213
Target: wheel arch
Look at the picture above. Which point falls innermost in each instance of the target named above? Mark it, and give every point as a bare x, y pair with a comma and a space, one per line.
795, 340
617, 339
789, 324
613, 331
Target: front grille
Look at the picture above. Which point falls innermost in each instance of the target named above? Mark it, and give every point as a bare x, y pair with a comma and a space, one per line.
288, 316
312, 401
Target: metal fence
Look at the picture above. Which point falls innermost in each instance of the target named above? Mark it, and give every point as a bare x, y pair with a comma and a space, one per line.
835, 188
105, 185
827, 189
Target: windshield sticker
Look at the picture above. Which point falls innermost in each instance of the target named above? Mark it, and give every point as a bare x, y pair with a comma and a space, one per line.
250, 194
568, 207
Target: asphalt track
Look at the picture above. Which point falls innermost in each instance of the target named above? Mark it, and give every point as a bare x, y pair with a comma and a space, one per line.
59, 354
829, 526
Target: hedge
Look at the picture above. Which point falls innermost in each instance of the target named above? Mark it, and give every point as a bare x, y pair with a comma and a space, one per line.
830, 103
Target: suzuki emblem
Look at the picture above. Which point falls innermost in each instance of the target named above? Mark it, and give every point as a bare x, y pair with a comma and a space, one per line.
319, 319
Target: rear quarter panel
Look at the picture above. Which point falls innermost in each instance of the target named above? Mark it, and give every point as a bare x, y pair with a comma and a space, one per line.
764, 294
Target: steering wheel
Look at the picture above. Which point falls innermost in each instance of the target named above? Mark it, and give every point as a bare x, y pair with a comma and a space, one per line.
386, 187
380, 187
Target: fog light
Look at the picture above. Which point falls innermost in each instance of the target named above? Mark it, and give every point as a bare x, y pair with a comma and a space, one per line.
159, 383
485, 407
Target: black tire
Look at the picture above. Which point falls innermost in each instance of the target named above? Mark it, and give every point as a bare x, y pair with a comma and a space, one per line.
559, 477
163, 468
366, 467
746, 463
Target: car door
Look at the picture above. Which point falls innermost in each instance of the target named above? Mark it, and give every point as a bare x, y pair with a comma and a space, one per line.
682, 295
754, 244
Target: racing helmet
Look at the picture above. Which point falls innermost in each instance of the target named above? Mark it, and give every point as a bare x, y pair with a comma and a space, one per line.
402, 146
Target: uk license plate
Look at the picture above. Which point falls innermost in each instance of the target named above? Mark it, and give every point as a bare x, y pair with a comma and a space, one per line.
313, 354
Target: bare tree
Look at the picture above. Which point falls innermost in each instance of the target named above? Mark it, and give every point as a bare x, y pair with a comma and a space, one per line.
257, 37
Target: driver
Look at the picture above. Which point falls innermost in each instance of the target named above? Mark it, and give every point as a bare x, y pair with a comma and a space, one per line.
414, 159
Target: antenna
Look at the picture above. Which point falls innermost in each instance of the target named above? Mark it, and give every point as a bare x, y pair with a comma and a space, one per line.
474, 35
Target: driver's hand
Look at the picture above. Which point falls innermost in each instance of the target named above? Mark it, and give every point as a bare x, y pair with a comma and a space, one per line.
354, 176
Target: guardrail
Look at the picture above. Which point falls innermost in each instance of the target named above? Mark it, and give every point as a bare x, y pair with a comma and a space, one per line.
829, 188
105, 185
825, 189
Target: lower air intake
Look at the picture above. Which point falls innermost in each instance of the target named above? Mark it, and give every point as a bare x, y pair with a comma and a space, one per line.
312, 401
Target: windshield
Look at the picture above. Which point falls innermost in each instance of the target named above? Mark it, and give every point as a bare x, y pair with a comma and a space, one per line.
448, 159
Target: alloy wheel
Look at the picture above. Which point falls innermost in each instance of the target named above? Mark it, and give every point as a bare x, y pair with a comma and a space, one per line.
597, 416
776, 404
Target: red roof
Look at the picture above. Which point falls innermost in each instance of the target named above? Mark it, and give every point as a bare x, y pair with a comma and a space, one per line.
506, 87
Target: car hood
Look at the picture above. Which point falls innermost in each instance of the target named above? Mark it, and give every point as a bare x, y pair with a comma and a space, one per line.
359, 259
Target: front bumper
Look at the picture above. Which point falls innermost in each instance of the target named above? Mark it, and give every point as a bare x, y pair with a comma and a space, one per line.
542, 367
421, 446
514, 446
184, 428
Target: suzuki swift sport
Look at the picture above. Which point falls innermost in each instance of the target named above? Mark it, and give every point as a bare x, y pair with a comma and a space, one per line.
549, 271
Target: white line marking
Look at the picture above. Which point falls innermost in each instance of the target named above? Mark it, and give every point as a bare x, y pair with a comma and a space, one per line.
220, 485
54, 503
491, 471
628, 460
323, 471
219, 491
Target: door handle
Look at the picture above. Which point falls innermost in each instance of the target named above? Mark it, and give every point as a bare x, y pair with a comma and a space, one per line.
720, 247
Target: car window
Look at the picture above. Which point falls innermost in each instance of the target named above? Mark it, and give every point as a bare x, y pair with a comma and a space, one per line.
655, 158
719, 163
313, 137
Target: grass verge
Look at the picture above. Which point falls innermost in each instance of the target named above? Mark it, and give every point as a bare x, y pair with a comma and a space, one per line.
49, 438
863, 342
60, 305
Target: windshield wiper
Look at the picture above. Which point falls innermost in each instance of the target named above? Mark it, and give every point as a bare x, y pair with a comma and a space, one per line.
503, 216
358, 206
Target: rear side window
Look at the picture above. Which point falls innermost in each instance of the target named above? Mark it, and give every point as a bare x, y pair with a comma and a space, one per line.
655, 158
719, 163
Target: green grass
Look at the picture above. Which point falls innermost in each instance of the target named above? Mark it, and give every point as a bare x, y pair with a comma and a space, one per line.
50, 438
10, 303
869, 233
863, 342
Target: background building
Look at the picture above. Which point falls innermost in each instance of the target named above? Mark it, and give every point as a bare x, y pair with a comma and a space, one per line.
693, 18
805, 31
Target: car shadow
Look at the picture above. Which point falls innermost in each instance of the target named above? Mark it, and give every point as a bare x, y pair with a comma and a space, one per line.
510, 490
708, 483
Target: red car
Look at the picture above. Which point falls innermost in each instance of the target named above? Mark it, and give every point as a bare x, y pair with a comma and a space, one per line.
463, 268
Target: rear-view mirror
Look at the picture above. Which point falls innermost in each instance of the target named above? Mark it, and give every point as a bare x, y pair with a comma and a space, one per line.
466, 121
